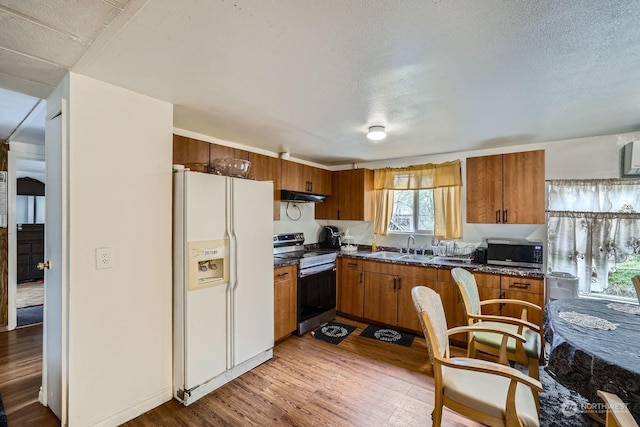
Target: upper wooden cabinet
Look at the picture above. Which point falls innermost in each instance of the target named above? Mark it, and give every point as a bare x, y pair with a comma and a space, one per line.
267, 168
191, 153
307, 179
506, 188
352, 197
198, 156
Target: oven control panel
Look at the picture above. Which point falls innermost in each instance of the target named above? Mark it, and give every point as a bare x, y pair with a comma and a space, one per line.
288, 239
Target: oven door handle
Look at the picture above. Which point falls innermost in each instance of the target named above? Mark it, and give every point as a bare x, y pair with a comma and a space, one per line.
317, 269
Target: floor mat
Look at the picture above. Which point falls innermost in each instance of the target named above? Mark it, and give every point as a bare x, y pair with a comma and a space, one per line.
333, 332
388, 335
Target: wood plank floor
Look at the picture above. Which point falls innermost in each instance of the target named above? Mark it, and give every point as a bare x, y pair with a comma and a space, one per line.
359, 382
21, 377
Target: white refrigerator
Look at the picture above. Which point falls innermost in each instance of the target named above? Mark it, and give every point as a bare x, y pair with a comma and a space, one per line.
223, 280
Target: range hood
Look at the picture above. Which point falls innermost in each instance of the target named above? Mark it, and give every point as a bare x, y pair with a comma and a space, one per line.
299, 197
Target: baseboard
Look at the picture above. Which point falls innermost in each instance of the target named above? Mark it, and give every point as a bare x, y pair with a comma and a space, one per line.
139, 408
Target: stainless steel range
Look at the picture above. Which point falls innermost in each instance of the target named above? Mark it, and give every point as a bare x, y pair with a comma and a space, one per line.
316, 299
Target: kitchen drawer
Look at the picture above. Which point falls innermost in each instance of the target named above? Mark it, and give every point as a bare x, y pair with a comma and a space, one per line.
523, 284
419, 272
281, 274
352, 264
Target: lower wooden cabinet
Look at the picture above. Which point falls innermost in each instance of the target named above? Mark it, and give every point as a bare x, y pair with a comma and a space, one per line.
387, 293
350, 289
284, 297
381, 292
380, 297
489, 288
451, 300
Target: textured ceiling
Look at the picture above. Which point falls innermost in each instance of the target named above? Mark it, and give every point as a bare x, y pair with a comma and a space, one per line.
311, 77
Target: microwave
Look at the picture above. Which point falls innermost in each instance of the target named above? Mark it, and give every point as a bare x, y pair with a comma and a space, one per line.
514, 252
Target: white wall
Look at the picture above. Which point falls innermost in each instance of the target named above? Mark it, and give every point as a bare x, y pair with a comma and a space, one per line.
120, 339
298, 217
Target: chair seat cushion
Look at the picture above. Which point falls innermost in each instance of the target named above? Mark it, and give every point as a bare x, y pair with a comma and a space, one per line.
488, 393
531, 346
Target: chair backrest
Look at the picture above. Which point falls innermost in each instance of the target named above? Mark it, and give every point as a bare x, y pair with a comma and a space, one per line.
636, 284
618, 414
468, 290
434, 323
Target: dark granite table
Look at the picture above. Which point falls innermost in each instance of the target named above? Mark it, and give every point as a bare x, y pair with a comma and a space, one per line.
595, 345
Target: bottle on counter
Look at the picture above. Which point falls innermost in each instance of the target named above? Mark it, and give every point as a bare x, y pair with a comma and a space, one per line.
374, 245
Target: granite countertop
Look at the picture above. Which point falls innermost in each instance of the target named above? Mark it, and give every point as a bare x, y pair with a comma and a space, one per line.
471, 266
364, 253
283, 262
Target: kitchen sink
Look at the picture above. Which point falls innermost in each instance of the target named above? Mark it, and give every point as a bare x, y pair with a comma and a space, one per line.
416, 258
386, 255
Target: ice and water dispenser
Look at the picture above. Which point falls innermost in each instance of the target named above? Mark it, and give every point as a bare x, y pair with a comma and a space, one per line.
208, 263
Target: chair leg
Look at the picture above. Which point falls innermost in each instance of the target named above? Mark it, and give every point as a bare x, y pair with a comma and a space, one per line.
436, 415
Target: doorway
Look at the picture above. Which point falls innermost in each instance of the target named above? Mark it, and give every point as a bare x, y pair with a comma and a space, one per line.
26, 222
30, 225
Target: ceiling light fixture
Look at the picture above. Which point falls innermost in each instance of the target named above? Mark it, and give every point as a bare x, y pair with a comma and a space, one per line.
376, 133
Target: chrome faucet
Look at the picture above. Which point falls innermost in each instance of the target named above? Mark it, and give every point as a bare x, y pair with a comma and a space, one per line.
409, 239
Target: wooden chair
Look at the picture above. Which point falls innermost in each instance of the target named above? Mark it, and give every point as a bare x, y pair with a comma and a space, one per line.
636, 284
487, 392
618, 414
526, 353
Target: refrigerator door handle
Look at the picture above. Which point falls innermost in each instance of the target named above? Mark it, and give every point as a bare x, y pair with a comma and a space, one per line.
232, 273
234, 236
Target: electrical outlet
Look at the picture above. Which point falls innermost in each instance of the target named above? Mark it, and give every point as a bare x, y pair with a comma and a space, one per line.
103, 258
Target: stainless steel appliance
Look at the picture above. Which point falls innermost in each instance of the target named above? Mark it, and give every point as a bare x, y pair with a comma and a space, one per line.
316, 300
515, 252
330, 237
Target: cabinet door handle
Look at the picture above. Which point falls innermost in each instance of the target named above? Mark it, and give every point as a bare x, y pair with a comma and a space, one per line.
394, 283
498, 216
520, 285
505, 216
361, 276
399, 282
352, 264
283, 274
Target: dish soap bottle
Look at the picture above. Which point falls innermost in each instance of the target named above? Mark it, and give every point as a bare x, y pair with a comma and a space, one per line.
374, 245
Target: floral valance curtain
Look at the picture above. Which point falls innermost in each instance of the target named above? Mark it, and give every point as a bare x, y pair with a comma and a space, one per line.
444, 179
592, 226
